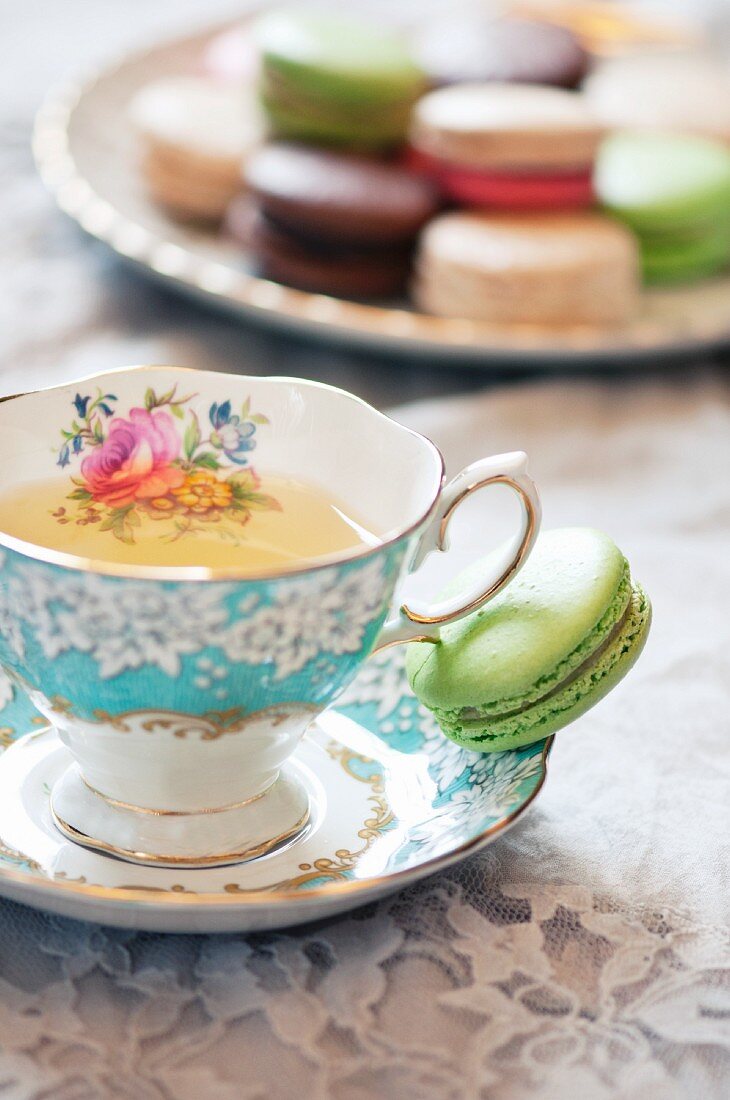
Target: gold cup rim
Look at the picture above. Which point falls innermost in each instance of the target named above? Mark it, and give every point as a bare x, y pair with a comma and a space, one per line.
80, 563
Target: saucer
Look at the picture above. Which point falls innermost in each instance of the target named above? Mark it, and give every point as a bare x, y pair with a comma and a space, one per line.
391, 800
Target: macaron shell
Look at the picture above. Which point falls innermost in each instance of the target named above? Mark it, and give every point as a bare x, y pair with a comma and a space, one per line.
198, 116
561, 268
331, 55
187, 195
476, 47
560, 607
319, 267
659, 182
674, 260
567, 704
191, 187
506, 127
663, 91
325, 122
339, 197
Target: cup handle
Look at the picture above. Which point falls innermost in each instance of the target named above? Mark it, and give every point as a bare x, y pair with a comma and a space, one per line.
421, 620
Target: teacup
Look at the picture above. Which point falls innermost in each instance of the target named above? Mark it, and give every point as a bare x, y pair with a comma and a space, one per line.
181, 692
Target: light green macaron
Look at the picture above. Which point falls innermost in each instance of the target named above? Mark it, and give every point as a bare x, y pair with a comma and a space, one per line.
661, 183
673, 190
330, 78
542, 652
677, 259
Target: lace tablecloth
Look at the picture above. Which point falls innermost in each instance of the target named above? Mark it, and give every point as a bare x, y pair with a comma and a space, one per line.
585, 955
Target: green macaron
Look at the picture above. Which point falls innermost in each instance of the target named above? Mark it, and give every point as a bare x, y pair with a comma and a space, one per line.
542, 652
660, 183
677, 259
329, 78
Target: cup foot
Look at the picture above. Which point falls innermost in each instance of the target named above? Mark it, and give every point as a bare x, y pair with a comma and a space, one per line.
236, 834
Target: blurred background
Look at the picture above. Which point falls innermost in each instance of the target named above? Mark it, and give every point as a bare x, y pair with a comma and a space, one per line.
70, 306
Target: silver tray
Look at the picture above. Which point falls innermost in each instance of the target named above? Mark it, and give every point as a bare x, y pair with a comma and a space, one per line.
85, 152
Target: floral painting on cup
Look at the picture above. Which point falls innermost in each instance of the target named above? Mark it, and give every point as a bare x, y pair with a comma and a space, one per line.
159, 463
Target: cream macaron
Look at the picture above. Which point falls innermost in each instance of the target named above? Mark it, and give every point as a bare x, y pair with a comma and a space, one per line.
551, 269
514, 146
196, 135
507, 127
687, 94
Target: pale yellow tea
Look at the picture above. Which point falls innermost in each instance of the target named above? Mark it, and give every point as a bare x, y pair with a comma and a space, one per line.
240, 521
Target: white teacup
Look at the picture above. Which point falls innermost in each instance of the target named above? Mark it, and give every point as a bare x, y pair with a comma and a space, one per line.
181, 691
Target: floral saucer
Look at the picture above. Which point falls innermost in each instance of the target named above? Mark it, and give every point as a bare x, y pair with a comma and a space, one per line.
394, 801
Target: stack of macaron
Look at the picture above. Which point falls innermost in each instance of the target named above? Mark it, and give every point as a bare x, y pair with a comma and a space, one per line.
333, 80
517, 140
470, 159
673, 191
332, 222
521, 158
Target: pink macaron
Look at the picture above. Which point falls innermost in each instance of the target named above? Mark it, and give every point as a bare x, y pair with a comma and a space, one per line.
506, 190
510, 147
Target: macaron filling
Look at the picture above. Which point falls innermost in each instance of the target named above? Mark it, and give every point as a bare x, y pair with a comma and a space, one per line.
516, 189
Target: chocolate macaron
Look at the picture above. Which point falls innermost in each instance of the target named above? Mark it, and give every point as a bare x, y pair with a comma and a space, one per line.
331, 222
474, 48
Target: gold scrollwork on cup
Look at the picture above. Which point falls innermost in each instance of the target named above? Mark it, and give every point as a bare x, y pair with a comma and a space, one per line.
209, 726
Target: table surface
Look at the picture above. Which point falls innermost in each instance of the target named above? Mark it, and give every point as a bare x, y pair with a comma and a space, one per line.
584, 955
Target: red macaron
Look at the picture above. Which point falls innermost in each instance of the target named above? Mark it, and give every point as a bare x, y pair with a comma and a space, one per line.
509, 147
506, 190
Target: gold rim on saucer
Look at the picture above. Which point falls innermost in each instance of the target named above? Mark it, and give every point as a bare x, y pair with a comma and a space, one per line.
235, 897
269, 846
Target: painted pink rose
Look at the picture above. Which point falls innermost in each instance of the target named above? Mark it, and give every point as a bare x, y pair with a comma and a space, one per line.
134, 461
